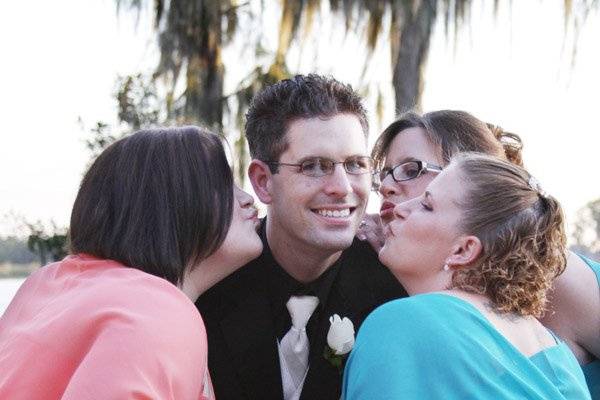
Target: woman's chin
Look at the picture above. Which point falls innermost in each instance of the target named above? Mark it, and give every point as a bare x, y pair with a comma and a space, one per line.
252, 250
386, 256
256, 249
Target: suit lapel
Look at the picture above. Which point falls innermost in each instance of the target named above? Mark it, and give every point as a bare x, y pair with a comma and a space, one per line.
249, 333
349, 295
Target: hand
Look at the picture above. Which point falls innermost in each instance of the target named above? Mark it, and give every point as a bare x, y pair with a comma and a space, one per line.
371, 230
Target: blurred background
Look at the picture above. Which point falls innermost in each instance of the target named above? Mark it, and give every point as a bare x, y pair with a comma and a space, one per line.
78, 75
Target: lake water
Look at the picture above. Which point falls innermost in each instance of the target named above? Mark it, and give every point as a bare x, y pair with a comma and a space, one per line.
8, 288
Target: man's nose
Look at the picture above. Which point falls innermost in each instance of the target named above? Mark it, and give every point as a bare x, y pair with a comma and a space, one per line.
338, 183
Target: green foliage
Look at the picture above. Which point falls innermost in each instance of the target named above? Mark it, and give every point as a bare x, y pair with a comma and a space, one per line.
101, 137
191, 35
15, 251
139, 106
50, 244
586, 232
336, 361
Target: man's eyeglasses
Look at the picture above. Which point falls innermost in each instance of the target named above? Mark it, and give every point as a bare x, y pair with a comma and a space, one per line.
408, 170
320, 166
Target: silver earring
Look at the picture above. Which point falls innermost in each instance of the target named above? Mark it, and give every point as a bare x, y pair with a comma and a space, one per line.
446, 267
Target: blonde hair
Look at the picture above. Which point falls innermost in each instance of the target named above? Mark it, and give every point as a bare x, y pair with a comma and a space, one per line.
521, 230
511, 143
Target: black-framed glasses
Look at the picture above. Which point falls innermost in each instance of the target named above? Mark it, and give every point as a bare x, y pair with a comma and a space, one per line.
408, 170
321, 166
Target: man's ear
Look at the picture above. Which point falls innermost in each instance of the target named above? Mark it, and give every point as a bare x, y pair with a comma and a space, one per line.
260, 177
465, 252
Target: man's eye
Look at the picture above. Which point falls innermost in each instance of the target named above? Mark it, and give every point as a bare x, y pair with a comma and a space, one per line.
355, 165
317, 166
310, 165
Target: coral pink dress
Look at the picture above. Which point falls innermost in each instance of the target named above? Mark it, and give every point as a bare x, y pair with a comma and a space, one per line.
86, 328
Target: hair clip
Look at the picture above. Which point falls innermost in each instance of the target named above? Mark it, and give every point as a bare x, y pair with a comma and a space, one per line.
535, 185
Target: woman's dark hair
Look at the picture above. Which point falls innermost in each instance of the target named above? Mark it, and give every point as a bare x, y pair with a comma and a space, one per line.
160, 200
303, 96
453, 132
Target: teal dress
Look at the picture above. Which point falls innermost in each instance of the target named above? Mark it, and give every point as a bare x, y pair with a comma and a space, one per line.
436, 346
592, 370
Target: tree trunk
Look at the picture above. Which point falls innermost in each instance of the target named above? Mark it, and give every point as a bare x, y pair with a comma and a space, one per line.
204, 93
410, 35
205, 71
42, 249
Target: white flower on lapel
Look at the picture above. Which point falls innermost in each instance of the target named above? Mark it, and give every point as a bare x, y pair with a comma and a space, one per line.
340, 337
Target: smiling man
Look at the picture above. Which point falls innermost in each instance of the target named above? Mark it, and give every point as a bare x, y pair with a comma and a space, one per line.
268, 323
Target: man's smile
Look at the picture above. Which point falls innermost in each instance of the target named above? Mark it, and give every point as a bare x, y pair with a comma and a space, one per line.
335, 213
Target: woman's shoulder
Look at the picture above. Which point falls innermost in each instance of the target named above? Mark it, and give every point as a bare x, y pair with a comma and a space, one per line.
594, 265
428, 305
573, 307
107, 291
414, 334
425, 316
153, 300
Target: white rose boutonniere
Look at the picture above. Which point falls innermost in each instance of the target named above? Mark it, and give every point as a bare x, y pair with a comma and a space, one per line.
340, 340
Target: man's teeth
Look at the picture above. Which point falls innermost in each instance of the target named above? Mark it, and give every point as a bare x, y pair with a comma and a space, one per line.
334, 213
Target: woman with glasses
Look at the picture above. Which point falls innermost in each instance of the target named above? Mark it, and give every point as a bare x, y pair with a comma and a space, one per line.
477, 252
156, 222
412, 150
427, 142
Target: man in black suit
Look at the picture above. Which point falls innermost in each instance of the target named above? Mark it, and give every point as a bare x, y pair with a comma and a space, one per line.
308, 141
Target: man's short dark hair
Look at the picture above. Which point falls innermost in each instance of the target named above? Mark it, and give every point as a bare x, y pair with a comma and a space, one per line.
304, 96
159, 200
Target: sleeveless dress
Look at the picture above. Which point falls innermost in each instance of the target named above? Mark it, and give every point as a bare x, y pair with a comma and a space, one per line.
437, 346
592, 370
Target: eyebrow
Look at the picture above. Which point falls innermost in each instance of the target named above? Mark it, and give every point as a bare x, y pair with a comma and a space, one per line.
331, 158
403, 160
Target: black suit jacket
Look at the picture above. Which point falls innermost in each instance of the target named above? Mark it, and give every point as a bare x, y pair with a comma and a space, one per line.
242, 352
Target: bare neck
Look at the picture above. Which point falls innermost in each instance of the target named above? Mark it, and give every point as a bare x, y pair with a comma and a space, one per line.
303, 262
190, 289
198, 280
418, 284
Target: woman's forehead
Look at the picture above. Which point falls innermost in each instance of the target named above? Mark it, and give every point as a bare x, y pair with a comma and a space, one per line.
448, 186
412, 144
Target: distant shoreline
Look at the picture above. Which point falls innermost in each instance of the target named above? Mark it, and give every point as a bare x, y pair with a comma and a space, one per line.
9, 270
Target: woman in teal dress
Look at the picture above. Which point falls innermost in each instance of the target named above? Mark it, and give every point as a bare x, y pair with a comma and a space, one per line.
413, 149
477, 252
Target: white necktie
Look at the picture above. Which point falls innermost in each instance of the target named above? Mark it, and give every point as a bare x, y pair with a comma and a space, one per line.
294, 348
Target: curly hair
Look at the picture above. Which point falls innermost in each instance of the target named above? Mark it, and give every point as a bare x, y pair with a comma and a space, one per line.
521, 230
452, 132
511, 143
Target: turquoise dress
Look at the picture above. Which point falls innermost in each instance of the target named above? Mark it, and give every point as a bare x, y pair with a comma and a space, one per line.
592, 370
436, 346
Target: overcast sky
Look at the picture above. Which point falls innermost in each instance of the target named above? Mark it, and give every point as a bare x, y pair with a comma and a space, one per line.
60, 64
